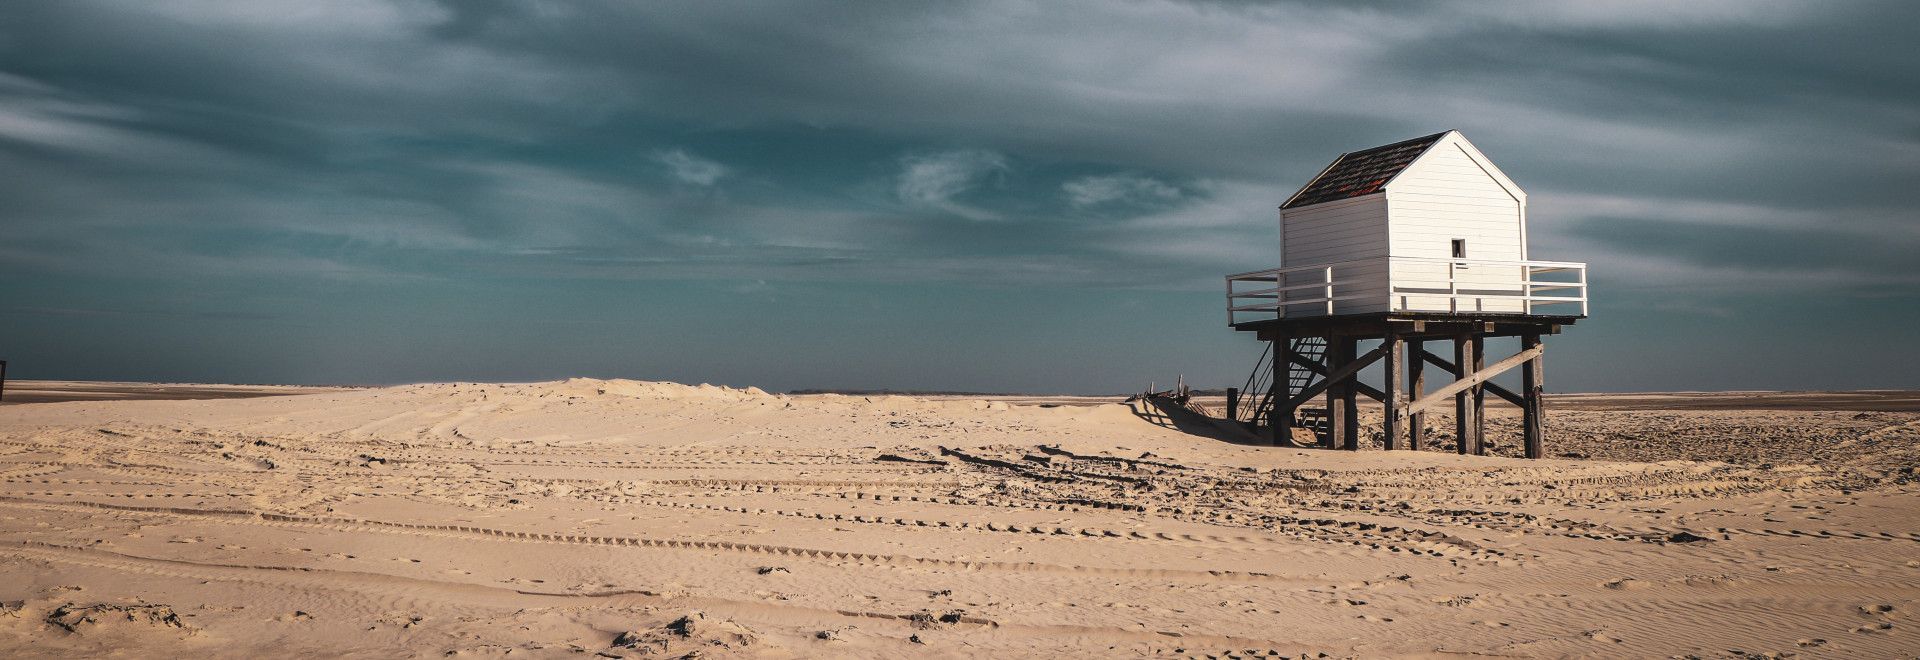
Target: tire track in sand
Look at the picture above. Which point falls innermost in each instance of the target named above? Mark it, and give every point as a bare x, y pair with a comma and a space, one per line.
467, 532
392, 592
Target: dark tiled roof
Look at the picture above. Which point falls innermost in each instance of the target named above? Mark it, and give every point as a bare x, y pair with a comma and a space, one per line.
1362, 172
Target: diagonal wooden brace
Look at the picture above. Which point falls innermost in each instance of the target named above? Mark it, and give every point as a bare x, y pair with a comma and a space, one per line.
1321, 369
1495, 388
1342, 373
1471, 380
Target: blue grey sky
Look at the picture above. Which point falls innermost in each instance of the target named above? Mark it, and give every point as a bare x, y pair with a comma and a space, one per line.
991, 196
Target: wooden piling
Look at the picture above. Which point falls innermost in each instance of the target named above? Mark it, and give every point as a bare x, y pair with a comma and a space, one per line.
1479, 397
1337, 359
1416, 385
1280, 418
1391, 399
1350, 439
1533, 380
1462, 401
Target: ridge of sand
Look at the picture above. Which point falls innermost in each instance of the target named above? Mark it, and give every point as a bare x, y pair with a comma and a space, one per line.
630, 518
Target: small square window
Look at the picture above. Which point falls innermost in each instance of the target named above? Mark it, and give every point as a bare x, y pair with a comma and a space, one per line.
1459, 248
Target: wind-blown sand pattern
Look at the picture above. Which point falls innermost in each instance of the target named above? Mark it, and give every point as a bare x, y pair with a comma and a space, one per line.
626, 518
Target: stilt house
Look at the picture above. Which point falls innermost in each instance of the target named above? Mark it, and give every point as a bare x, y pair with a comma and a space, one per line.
1406, 243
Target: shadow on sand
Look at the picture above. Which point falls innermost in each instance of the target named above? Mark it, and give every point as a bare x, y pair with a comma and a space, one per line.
1166, 412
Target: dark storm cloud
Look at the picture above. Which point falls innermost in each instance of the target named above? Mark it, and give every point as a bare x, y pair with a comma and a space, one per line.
1138, 146
1786, 110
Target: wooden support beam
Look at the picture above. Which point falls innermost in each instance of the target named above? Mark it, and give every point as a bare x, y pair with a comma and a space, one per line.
1509, 395
1462, 412
1280, 419
1467, 381
1394, 357
1321, 369
1533, 383
1340, 372
1479, 390
1416, 385
1342, 365
1350, 437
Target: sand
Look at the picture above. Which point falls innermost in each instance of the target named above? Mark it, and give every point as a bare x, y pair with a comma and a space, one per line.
55, 391
630, 519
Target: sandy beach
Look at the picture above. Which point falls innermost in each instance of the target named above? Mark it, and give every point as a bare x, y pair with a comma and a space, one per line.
630, 519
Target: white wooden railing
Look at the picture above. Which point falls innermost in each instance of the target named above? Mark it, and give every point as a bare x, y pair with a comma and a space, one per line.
1408, 284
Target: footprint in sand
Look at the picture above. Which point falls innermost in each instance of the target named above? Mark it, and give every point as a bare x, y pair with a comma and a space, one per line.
1625, 584
1879, 611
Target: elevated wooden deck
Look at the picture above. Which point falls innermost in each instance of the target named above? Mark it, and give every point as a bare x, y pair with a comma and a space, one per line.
1408, 325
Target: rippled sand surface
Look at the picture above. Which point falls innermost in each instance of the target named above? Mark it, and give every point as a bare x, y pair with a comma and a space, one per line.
628, 519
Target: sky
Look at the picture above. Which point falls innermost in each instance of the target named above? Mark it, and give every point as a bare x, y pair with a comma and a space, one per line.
981, 196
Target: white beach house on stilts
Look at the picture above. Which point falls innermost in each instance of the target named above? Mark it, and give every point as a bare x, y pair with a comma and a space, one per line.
1407, 243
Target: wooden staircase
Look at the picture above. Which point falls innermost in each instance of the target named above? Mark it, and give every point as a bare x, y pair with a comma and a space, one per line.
1298, 379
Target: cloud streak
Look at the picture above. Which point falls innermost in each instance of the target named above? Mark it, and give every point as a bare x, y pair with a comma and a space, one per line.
690, 169
1096, 190
934, 181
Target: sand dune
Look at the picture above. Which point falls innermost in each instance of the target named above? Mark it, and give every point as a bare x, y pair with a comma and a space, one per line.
628, 519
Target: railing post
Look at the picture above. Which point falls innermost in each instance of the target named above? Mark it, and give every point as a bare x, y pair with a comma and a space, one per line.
1395, 302
1329, 293
1279, 297
1453, 289
1229, 302
1526, 289
1583, 289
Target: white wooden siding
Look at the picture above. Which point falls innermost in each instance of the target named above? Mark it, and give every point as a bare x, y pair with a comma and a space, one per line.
1334, 232
1445, 195
1450, 192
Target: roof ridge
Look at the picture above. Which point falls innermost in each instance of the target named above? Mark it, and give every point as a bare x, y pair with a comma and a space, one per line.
1424, 138
1363, 172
